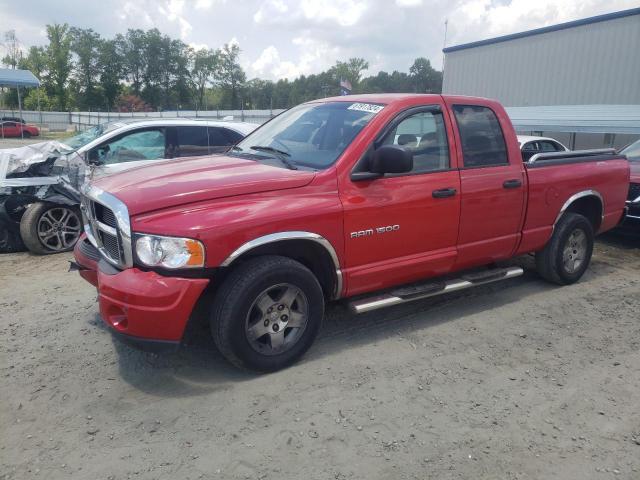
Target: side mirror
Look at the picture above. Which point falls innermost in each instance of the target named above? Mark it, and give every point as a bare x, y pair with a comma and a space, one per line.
392, 159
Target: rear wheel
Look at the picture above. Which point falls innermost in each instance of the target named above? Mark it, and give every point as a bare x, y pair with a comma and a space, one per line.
566, 256
26, 134
267, 313
48, 228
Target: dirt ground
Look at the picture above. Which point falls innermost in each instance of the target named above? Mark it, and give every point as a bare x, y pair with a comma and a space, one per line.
518, 380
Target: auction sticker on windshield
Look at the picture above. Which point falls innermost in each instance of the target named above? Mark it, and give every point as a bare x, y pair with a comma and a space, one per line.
366, 107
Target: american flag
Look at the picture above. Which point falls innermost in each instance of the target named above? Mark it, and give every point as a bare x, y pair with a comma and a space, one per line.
345, 87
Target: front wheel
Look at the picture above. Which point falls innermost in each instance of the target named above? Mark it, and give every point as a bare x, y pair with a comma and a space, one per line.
566, 256
267, 313
48, 228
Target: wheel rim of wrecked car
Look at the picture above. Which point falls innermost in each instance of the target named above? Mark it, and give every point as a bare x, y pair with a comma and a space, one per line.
276, 319
59, 228
575, 250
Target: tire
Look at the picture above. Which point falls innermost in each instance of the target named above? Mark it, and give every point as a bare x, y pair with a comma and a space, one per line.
48, 228
566, 256
26, 134
248, 311
10, 241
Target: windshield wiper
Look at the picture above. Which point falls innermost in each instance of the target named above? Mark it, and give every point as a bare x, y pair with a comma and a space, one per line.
279, 154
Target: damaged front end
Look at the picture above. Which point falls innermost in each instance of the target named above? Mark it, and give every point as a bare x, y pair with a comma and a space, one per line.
44, 172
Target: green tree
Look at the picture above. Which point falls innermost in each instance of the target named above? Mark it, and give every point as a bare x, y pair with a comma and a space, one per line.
204, 66
134, 50
85, 44
59, 62
110, 70
12, 47
35, 62
425, 78
350, 70
230, 75
37, 97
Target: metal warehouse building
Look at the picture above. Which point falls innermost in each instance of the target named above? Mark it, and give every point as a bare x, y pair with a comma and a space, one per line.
584, 63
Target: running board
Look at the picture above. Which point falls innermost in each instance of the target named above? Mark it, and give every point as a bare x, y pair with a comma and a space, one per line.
409, 294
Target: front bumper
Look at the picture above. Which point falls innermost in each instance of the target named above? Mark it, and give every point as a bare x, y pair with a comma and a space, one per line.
139, 306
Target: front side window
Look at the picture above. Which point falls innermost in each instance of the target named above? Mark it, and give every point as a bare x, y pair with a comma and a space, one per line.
425, 134
311, 135
483, 143
136, 146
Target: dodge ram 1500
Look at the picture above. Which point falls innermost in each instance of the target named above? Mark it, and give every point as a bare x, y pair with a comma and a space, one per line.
377, 199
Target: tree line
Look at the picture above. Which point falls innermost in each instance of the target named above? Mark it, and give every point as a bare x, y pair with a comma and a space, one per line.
147, 70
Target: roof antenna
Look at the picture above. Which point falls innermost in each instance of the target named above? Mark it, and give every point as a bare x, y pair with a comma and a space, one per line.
444, 44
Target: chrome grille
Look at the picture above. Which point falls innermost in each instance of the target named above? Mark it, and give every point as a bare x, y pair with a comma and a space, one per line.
104, 215
107, 226
111, 244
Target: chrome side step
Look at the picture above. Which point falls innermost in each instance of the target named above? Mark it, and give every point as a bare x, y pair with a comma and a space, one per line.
409, 294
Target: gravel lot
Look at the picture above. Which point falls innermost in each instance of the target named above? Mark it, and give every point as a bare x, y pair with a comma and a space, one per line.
519, 380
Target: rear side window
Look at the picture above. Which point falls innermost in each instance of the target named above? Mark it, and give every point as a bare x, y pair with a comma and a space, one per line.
218, 140
547, 146
483, 143
232, 136
192, 141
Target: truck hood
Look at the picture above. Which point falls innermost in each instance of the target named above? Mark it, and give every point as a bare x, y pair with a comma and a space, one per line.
179, 182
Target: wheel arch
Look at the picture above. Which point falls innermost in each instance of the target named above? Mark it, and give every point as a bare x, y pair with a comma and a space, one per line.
311, 249
588, 203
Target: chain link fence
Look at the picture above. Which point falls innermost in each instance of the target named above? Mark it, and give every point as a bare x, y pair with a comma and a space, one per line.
78, 121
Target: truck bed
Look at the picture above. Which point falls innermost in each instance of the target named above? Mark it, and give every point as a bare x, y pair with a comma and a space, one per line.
554, 181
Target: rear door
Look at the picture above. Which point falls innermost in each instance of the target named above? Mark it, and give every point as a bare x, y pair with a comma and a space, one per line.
492, 188
403, 227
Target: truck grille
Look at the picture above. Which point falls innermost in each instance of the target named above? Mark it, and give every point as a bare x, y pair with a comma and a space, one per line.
104, 215
634, 192
106, 222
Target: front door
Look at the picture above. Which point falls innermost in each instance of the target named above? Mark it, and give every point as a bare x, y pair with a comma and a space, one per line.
403, 227
492, 188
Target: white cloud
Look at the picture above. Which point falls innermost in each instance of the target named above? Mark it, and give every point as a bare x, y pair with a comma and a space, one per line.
408, 3
269, 10
343, 12
173, 12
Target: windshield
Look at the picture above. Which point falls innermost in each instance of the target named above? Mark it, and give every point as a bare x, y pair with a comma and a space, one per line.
310, 135
89, 135
632, 152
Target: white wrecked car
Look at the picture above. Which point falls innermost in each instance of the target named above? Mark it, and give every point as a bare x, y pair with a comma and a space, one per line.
40, 183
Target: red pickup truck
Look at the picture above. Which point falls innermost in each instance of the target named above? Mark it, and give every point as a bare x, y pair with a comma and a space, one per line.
378, 199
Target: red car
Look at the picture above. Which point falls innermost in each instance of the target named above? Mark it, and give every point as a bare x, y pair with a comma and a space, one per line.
17, 129
379, 199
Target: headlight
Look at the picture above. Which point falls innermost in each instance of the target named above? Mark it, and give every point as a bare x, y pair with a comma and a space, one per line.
169, 252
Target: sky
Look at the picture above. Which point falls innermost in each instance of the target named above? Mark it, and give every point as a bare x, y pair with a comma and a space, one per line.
287, 38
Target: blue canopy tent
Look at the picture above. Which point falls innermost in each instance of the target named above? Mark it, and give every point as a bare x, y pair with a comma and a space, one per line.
15, 78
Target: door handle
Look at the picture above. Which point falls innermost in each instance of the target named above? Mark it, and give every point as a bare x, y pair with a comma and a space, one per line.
443, 193
512, 183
